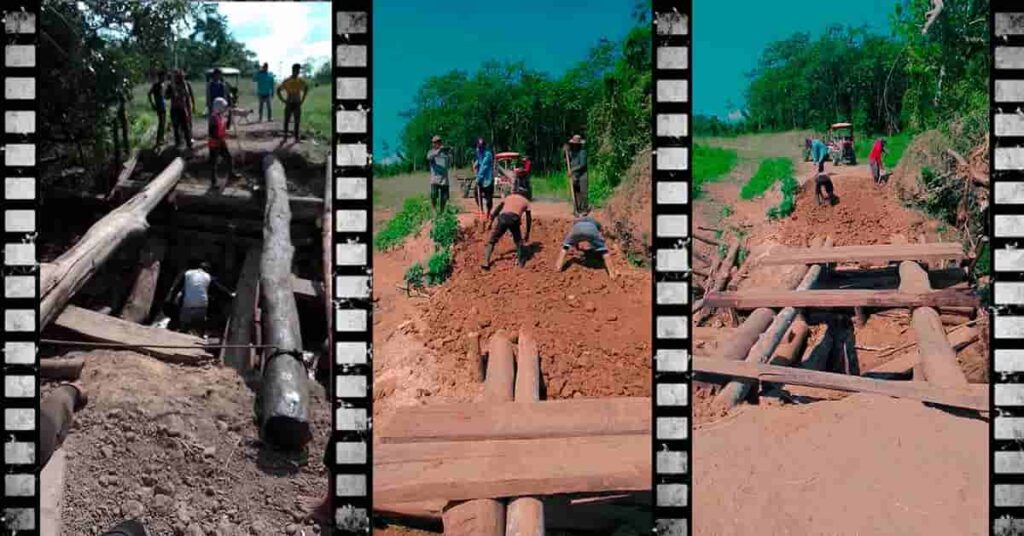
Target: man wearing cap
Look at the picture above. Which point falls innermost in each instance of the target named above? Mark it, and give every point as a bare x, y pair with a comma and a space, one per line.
217, 141
484, 177
875, 160
585, 229
578, 172
509, 213
438, 159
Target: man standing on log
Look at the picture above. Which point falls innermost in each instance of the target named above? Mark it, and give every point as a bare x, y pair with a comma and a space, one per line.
578, 173
509, 213
218, 140
585, 229
438, 158
157, 102
294, 90
265, 90
183, 103
192, 289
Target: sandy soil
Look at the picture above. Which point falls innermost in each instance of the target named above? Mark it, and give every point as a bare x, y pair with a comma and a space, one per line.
797, 468
177, 447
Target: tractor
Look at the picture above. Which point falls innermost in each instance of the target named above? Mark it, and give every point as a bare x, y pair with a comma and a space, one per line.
840, 144
504, 175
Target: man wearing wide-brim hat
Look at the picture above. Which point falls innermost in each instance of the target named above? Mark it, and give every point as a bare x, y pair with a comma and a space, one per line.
577, 156
438, 160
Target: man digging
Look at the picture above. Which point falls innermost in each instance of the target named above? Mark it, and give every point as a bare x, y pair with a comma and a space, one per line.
585, 229
509, 213
192, 289
824, 183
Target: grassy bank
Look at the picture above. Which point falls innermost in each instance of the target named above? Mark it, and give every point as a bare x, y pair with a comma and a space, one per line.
768, 172
415, 211
709, 165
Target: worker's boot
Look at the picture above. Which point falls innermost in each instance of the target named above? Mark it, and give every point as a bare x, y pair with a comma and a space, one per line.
487, 256
520, 256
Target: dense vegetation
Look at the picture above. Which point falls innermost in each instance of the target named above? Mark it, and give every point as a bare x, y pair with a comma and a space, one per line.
906, 81
605, 98
94, 54
770, 171
710, 164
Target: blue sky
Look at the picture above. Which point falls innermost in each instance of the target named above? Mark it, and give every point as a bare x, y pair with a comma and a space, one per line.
415, 39
728, 38
282, 33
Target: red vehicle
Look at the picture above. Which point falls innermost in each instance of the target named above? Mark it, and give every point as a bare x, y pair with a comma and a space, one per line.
504, 175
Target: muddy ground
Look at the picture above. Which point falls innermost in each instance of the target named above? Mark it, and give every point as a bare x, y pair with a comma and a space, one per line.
593, 332
796, 466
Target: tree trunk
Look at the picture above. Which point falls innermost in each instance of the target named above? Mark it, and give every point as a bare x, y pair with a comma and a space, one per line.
139, 303
526, 514
938, 360
240, 327
486, 517
284, 394
66, 275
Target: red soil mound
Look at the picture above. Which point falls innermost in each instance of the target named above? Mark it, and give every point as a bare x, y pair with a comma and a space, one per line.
594, 333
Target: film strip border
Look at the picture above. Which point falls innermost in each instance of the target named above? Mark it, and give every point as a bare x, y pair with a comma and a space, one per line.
1007, 225
352, 368
20, 304
671, 308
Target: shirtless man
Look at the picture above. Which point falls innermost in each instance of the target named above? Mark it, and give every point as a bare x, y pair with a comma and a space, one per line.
509, 213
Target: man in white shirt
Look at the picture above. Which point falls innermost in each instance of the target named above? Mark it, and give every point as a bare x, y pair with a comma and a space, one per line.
194, 285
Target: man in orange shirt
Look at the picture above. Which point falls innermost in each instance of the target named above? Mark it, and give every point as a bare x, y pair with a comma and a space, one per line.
509, 213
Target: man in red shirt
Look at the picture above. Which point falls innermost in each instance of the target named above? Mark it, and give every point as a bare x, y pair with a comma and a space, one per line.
523, 176
875, 160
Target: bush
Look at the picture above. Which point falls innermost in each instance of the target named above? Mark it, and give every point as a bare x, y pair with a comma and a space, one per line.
445, 229
439, 267
770, 171
788, 203
414, 276
415, 211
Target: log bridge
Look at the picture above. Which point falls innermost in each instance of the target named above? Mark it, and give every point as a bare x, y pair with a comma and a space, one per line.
765, 350
493, 468
265, 307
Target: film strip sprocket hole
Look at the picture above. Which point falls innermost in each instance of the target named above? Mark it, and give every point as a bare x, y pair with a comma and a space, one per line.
352, 468
671, 308
1006, 155
21, 282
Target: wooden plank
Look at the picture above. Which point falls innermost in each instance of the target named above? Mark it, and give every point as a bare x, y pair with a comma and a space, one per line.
140, 301
51, 496
866, 254
473, 421
98, 327
305, 288
472, 469
976, 399
830, 298
243, 311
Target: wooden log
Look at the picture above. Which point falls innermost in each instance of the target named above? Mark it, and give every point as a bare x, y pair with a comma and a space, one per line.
140, 301
51, 496
283, 407
61, 369
97, 327
958, 340
791, 346
233, 202
66, 275
938, 359
970, 398
128, 168
243, 311
708, 241
525, 515
474, 357
818, 357
483, 515
879, 253
515, 420
829, 298
763, 350
510, 468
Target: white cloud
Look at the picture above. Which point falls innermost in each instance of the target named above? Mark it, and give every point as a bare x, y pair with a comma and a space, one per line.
735, 115
282, 33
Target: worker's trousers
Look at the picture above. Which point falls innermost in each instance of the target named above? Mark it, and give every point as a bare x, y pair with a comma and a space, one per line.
579, 188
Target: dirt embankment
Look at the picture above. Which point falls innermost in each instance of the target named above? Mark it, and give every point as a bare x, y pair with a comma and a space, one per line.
629, 210
178, 449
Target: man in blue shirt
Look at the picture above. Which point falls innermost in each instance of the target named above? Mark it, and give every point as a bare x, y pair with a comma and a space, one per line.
484, 177
819, 151
265, 90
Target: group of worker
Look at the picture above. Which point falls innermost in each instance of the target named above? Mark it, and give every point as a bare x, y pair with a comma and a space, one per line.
508, 215
221, 97
824, 190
